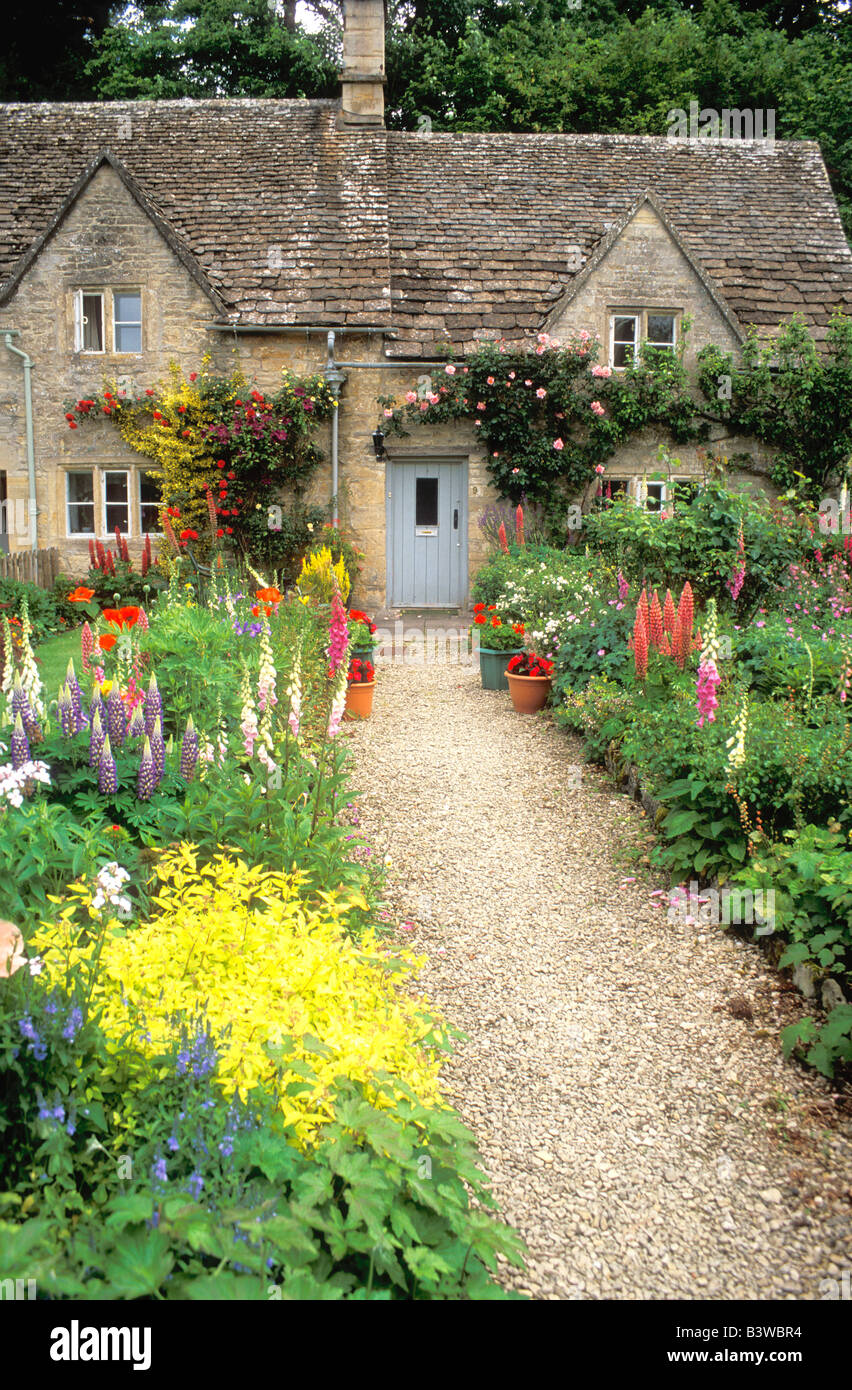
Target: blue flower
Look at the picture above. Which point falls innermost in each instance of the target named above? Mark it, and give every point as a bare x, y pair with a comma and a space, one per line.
173, 1143
196, 1184
74, 1024
158, 1171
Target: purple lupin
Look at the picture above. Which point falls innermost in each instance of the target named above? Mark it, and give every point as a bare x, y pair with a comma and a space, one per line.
158, 749
147, 779
153, 705
189, 751
96, 739
19, 701
65, 709
136, 727
116, 724
107, 773
19, 744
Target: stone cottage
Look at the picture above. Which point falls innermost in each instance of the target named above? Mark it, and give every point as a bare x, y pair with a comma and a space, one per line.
303, 233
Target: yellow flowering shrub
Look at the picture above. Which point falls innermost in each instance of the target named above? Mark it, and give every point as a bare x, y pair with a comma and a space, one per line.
319, 575
270, 966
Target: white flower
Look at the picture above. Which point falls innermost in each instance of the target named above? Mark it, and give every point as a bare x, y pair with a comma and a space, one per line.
36, 965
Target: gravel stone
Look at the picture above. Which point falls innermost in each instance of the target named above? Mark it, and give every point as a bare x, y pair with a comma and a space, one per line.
645, 1142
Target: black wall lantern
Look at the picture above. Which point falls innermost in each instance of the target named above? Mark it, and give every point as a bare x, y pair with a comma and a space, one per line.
379, 442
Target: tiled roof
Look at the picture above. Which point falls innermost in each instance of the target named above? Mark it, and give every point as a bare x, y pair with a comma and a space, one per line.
286, 217
441, 237
484, 226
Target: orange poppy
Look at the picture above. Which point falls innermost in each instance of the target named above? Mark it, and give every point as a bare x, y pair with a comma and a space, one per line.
107, 642
81, 594
269, 595
122, 617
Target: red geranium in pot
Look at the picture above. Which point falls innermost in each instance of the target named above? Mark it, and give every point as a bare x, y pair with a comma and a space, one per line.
530, 680
359, 690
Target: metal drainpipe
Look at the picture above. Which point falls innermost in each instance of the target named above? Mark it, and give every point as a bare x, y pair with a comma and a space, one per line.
335, 378
9, 334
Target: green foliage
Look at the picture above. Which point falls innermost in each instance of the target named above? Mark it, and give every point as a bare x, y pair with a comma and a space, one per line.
698, 542
793, 398
49, 609
825, 1046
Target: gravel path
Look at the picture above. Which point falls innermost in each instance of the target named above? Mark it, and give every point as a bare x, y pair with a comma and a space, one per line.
645, 1142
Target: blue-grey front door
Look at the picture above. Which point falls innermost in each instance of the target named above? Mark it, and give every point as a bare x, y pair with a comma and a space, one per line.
427, 534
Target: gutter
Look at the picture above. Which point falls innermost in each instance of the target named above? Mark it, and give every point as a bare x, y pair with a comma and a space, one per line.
9, 334
335, 378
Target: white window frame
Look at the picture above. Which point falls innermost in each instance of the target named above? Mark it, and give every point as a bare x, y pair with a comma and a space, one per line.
78, 322
126, 323
142, 475
661, 314
640, 318
636, 316
642, 487
76, 535
108, 531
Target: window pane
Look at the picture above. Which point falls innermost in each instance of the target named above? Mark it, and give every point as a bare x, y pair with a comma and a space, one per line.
127, 313
115, 491
426, 502
150, 495
93, 323
625, 330
80, 489
128, 337
622, 354
654, 501
661, 330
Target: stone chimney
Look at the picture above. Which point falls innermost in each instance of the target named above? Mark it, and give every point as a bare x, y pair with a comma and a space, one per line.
362, 79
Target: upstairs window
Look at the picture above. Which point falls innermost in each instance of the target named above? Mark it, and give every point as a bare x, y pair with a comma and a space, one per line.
628, 330
127, 322
108, 321
89, 322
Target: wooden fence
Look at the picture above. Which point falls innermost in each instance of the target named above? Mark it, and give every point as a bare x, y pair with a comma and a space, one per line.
37, 566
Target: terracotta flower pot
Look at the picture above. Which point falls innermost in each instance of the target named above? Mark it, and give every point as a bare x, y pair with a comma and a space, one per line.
359, 700
529, 693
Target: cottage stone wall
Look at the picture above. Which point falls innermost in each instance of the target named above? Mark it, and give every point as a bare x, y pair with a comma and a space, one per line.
107, 241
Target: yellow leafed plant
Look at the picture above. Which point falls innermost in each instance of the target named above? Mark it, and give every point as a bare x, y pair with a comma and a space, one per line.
320, 576
269, 968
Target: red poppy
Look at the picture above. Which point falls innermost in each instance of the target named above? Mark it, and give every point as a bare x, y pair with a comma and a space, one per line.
269, 595
189, 535
220, 463
220, 532
107, 642
229, 530
81, 594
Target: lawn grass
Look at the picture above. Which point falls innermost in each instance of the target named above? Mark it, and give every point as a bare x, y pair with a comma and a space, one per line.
52, 660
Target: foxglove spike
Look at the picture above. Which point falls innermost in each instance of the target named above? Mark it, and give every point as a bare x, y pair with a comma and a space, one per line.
147, 779
96, 739
107, 774
158, 749
189, 751
116, 724
19, 745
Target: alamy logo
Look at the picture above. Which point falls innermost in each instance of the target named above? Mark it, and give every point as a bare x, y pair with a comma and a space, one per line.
730, 907
17, 1289
76, 1343
730, 124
